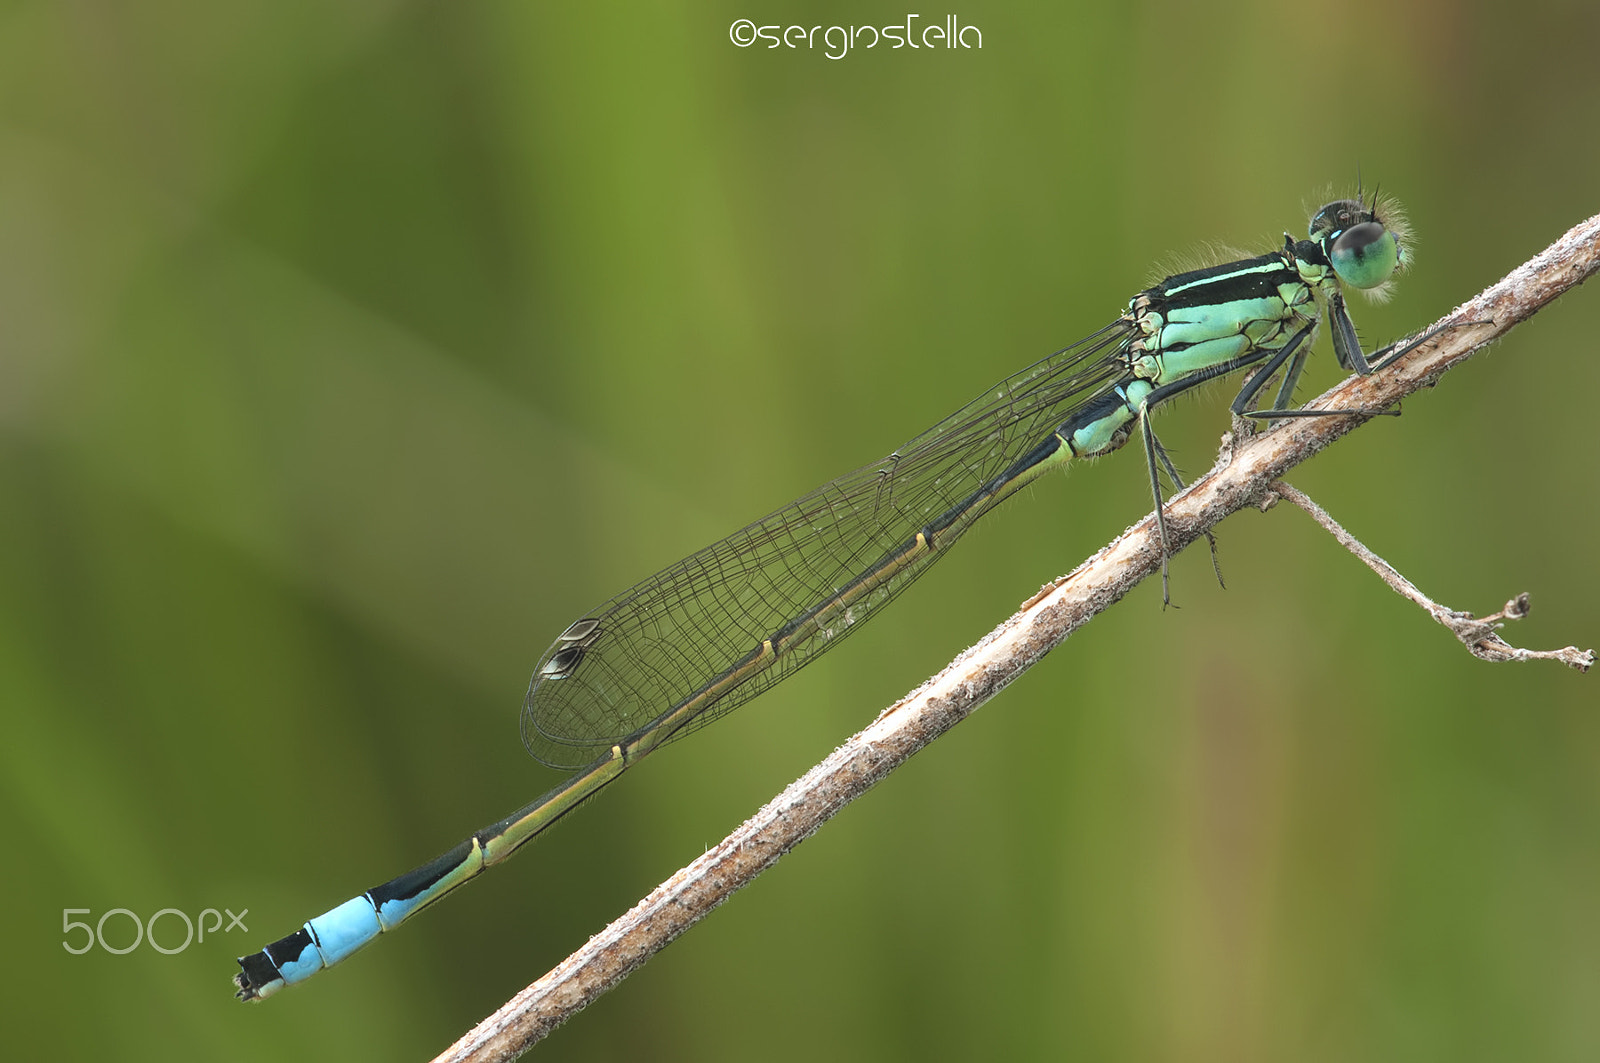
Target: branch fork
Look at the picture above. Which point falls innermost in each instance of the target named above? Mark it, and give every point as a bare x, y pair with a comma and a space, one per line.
1480, 635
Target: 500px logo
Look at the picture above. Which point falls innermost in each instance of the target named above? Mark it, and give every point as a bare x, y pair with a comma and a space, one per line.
838, 41
142, 931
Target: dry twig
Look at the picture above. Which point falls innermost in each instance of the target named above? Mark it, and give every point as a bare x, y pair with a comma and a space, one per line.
1480, 635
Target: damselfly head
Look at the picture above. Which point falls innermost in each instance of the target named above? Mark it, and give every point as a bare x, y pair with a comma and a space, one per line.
1366, 241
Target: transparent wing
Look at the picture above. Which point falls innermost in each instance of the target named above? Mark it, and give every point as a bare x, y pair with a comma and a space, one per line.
625, 667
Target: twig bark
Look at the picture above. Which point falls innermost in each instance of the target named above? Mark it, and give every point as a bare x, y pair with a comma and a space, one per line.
1243, 475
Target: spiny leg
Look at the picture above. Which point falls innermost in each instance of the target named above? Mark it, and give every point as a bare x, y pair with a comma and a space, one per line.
1293, 352
1291, 377
1386, 356
1381, 359
1154, 442
1343, 335
1153, 450
1256, 380
1150, 447
1346, 348
1346, 344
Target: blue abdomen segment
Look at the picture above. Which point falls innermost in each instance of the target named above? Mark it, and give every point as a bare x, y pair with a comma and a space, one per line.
282, 963
345, 929
339, 932
322, 942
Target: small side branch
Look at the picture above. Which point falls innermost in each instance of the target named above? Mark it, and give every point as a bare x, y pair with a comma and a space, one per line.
1480, 635
1242, 477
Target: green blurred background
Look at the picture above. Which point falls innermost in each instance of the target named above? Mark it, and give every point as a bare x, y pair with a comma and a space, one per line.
348, 351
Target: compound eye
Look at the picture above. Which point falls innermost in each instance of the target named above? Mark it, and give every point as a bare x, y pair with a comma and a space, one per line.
1365, 255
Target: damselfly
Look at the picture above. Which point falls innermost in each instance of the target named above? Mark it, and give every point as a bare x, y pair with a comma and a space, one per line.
705, 635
